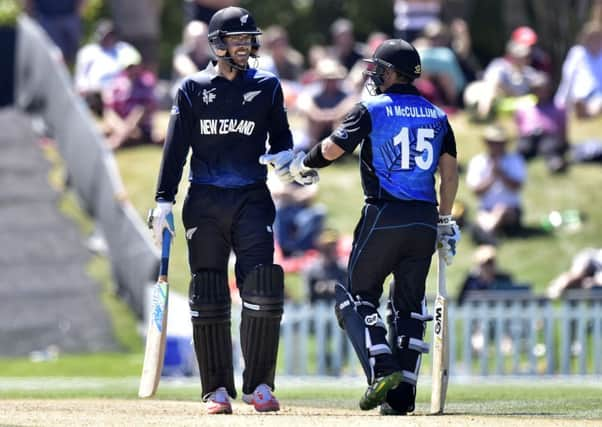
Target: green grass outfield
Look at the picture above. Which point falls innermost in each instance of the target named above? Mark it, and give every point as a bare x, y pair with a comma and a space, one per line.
549, 398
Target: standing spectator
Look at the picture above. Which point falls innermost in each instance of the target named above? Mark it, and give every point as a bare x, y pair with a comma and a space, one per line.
496, 177
581, 84
542, 127
404, 140
129, 105
344, 47
62, 21
225, 115
411, 16
99, 63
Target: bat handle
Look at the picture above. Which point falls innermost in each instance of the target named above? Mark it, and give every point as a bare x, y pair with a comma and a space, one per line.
441, 285
165, 247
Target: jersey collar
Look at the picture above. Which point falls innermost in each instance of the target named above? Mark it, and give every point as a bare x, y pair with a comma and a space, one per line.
403, 89
212, 72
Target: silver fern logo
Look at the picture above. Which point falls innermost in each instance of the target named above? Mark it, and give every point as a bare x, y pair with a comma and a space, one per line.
244, 19
250, 96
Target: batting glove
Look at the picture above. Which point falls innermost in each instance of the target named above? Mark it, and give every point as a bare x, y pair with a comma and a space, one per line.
158, 221
448, 236
280, 162
301, 173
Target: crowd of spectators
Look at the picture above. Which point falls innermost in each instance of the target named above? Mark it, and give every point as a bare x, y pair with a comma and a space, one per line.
517, 87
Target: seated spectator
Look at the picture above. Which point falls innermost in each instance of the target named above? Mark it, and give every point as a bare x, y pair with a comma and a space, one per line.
539, 59
326, 270
344, 47
355, 78
542, 127
299, 221
325, 103
193, 54
585, 273
496, 177
99, 63
505, 85
129, 105
581, 83
439, 63
485, 276
280, 58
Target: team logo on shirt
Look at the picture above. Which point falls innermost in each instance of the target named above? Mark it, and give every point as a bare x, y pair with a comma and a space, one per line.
249, 96
174, 110
208, 96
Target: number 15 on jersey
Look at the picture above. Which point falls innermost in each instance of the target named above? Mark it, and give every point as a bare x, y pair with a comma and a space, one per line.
424, 136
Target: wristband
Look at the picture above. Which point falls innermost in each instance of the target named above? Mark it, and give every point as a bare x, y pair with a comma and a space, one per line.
314, 159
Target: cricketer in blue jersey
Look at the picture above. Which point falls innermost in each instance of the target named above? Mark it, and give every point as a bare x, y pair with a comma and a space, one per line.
223, 116
404, 141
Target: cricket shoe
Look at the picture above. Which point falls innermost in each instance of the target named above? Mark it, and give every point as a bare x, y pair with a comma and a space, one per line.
262, 399
218, 402
376, 393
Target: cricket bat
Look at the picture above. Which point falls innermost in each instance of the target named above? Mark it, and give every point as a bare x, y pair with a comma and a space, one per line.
440, 343
157, 325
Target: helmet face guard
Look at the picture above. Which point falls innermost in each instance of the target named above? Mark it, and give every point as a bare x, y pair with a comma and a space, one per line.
232, 21
375, 76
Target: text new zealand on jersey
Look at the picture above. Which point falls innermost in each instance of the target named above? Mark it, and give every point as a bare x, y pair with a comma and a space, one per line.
226, 126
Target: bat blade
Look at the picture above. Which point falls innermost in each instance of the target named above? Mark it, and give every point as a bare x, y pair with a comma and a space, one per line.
155, 341
440, 346
440, 356
156, 335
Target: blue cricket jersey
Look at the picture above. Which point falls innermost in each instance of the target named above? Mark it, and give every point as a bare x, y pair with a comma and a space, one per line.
226, 125
402, 136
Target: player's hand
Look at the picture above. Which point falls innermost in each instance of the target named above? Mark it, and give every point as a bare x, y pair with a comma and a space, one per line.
301, 173
158, 221
280, 162
448, 236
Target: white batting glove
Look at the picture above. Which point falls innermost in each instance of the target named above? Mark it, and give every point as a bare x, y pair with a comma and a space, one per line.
448, 236
280, 162
158, 221
301, 173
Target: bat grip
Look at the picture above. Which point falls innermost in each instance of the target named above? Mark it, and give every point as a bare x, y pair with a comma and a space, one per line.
165, 247
441, 285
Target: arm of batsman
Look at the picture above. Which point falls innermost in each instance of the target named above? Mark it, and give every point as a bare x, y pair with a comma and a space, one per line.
157, 221
280, 162
448, 236
301, 173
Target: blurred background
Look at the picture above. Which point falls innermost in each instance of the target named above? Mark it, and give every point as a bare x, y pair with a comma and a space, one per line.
86, 87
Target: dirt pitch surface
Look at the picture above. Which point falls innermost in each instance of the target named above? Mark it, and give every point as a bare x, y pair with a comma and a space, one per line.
121, 412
